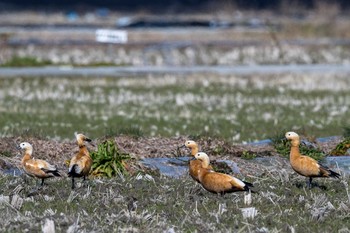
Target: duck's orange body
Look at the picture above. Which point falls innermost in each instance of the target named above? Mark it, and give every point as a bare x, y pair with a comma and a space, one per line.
195, 164
216, 182
80, 164
304, 165
194, 167
36, 167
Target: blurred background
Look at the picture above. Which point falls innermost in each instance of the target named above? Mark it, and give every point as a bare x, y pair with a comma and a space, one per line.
189, 32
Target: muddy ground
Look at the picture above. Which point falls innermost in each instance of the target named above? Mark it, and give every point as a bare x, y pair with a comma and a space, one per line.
57, 152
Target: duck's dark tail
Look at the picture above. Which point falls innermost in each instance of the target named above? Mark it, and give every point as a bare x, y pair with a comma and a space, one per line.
71, 171
54, 172
248, 187
334, 174
328, 172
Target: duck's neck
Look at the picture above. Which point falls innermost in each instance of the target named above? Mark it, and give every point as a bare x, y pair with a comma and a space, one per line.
80, 141
83, 149
194, 150
27, 155
201, 173
205, 163
294, 150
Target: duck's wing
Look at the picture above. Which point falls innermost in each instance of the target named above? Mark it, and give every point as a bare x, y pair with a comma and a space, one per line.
80, 166
326, 171
34, 168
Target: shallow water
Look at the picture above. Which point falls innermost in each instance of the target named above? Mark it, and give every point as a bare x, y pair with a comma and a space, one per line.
12, 171
338, 162
177, 167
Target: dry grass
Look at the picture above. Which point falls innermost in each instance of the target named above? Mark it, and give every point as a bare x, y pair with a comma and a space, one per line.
153, 203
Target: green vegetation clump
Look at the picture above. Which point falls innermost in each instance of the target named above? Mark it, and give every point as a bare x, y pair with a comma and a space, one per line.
108, 161
6, 153
342, 148
220, 166
282, 146
25, 61
248, 155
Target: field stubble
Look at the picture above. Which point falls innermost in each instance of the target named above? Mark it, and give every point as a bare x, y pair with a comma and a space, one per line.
234, 108
152, 203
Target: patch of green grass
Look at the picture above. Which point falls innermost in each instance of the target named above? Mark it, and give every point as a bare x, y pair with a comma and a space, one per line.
342, 148
222, 167
248, 155
108, 160
25, 61
6, 153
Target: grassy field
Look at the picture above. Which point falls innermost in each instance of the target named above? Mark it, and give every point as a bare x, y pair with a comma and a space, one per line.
234, 108
159, 204
157, 113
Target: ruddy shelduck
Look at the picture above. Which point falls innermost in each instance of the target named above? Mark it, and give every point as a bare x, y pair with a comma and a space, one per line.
194, 165
80, 164
216, 182
36, 167
304, 165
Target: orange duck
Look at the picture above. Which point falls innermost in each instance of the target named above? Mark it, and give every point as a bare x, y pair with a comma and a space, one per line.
80, 164
36, 167
216, 182
304, 165
195, 165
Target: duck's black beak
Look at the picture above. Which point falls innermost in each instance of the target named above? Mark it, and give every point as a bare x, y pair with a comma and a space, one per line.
90, 142
87, 139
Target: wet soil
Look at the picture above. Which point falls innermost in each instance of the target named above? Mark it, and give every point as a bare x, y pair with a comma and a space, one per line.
57, 152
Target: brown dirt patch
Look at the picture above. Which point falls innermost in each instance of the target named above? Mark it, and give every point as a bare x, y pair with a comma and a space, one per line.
57, 152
